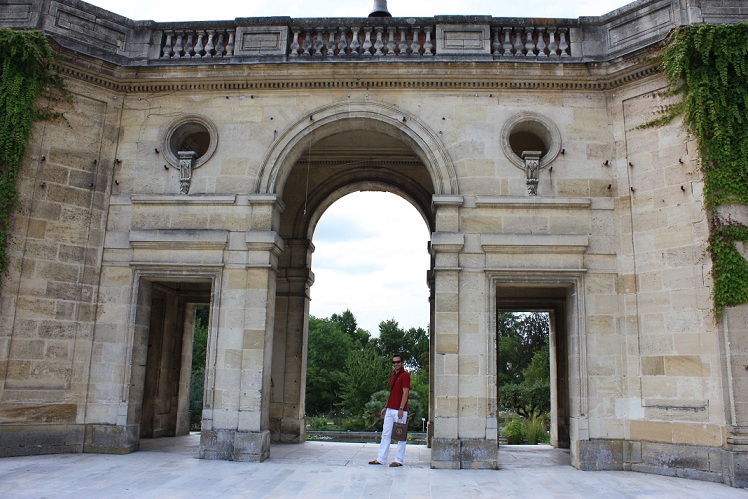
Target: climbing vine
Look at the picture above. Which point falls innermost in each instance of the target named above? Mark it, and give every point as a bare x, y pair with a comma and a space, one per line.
25, 73
708, 66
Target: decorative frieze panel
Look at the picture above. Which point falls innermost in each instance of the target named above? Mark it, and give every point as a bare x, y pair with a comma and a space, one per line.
463, 39
262, 40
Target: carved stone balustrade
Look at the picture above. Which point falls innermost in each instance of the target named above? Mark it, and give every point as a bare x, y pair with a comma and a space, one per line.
362, 41
528, 41
391, 38
208, 43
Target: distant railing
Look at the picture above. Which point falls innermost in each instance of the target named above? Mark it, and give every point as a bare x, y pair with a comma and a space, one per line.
178, 44
392, 41
530, 42
400, 41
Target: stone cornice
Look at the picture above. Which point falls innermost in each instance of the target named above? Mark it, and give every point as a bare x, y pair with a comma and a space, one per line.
437, 75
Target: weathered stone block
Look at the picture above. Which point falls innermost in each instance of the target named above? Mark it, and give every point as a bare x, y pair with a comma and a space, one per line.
601, 455
478, 454
111, 439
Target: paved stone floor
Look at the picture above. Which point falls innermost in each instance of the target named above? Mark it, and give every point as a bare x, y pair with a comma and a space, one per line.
168, 467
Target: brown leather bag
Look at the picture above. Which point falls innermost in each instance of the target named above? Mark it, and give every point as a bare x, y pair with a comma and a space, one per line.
400, 431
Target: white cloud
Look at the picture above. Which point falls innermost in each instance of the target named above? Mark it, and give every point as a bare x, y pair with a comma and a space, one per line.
381, 273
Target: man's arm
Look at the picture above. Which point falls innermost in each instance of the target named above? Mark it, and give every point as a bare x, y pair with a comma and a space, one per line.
406, 394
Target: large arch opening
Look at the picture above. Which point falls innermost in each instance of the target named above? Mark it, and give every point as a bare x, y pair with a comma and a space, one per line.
345, 155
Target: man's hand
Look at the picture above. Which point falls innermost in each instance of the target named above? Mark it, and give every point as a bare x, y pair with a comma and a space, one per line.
382, 413
400, 413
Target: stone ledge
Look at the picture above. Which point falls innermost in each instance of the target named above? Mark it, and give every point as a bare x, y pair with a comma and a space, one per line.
534, 243
532, 202
181, 199
179, 239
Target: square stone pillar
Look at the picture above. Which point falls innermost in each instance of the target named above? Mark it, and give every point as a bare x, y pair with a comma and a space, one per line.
287, 413
459, 440
236, 426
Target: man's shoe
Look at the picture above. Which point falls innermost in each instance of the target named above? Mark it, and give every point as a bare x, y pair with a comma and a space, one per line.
374, 462
395, 464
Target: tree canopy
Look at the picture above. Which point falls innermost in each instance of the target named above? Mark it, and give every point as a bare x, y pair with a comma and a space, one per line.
347, 367
524, 362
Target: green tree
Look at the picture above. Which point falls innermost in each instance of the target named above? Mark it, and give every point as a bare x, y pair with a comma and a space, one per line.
413, 344
524, 363
417, 342
348, 324
328, 349
197, 373
366, 372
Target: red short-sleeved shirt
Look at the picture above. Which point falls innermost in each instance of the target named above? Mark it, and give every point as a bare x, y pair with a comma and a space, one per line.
397, 383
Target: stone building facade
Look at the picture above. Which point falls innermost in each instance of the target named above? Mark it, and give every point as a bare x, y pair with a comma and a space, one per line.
195, 159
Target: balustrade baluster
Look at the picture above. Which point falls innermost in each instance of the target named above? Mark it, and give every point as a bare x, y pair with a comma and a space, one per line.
209, 47
562, 45
230, 46
529, 43
220, 47
403, 46
178, 46
367, 42
166, 52
379, 44
189, 46
415, 46
307, 45
518, 45
355, 44
541, 43
342, 42
330, 46
427, 45
318, 43
496, 44
552, 47
199, 47
391, 42
295, 43
507, 46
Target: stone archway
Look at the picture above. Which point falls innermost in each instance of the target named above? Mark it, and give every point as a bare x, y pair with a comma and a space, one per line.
333, 151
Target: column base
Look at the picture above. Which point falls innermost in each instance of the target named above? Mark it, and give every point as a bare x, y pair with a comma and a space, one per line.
455, 454
232, 445
111, 439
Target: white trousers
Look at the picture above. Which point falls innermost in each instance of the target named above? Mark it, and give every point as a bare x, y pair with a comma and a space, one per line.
390, 417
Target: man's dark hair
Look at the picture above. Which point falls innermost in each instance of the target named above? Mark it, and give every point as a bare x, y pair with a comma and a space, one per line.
397, 355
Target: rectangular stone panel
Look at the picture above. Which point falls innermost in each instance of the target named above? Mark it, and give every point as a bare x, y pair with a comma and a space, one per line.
17, 12
460, 39
265, 40
87, 28
640, 25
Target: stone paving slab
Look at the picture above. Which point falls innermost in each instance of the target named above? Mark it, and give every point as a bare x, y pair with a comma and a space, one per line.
169, 468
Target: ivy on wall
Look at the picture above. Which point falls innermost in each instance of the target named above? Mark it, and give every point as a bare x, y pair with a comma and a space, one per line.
25, 73
708, 65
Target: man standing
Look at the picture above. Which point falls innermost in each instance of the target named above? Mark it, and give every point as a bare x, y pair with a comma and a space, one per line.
395, 410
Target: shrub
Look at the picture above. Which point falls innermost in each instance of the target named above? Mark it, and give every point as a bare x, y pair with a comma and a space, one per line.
514, 432
536, 431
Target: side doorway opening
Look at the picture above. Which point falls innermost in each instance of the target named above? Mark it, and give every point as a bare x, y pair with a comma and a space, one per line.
542, 310
161, 375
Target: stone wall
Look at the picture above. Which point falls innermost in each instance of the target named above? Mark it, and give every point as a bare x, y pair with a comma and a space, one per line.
119, 236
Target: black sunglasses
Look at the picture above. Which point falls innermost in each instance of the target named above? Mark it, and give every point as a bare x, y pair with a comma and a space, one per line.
397, 361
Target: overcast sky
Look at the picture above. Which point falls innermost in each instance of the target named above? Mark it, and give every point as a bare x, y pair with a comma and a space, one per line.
371, 248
